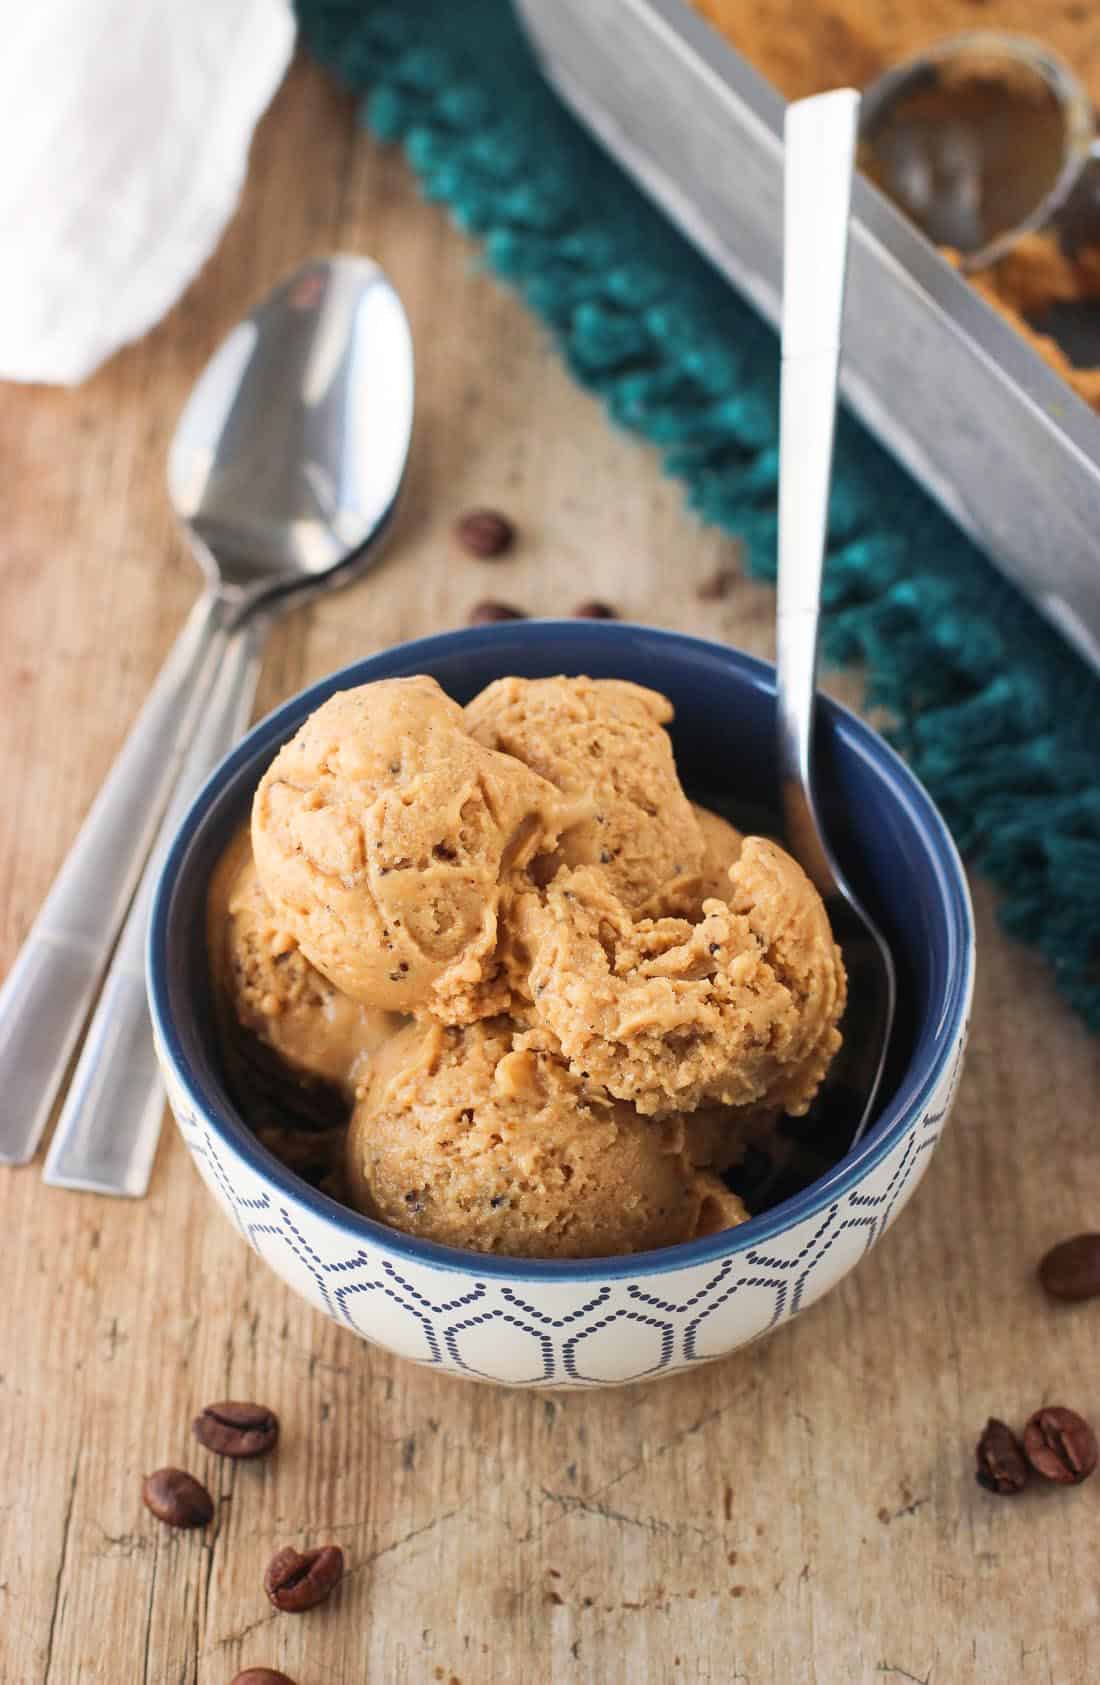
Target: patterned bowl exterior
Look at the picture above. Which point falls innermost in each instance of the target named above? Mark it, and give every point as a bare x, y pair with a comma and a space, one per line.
551, 1324
596, 1331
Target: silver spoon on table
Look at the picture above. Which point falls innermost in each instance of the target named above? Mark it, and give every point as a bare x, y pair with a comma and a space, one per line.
820, 142
284, 470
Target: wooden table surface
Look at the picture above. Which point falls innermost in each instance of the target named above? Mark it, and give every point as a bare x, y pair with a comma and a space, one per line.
803, 1512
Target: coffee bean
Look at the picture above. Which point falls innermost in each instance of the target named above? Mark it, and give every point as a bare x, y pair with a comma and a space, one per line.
594, 610
717, 586
485, 533
299, 1580
237, 1430
1071, 1270
261, 1676
176, 1498
1002, 1466
1060, 1445
484, 613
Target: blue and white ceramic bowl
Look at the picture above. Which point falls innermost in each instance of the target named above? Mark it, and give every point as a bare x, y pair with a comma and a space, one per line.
575, 1323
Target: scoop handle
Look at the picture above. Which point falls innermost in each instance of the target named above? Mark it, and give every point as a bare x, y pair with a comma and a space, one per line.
106, 1136
47, 993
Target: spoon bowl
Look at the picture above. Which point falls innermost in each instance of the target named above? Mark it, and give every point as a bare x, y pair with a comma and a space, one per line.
290, 452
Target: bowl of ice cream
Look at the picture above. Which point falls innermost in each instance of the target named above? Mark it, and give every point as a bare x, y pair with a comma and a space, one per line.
522, 991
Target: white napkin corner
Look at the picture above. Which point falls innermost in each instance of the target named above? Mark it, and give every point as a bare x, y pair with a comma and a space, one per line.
124, 135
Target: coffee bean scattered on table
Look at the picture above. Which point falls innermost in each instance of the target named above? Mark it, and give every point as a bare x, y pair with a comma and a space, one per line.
1071, 1270
1060, 1445
176, 1498
717, 586
236, 1429
594, 610
261, 1676
485, 533
483, 614
1002, 1466
298, 1580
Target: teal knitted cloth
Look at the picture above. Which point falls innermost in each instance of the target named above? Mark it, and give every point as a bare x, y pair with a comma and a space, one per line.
990, 708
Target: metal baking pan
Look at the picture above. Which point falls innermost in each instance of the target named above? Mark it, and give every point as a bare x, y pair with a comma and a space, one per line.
964, 402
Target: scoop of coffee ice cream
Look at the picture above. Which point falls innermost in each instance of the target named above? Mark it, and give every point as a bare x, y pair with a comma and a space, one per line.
385, 837
739, 1009
683, 897
719, 1136
616, 995
482, 1137
603, 743
721, 848
271, 991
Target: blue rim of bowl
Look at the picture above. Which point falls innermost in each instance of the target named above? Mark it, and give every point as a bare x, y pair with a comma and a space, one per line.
890, 1128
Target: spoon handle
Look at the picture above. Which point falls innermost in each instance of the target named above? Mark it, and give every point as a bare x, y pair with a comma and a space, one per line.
820, 141
106, 1136
47, 993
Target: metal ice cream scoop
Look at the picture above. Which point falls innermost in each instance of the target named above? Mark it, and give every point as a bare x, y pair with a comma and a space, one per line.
982, 138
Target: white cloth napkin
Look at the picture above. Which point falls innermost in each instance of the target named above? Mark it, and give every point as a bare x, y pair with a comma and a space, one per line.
124, 135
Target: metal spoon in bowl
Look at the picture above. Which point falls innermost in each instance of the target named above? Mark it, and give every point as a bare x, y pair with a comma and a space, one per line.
284, 470
820, 141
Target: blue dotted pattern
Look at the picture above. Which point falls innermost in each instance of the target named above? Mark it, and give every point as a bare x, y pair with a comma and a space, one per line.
573, 1357
541, 1340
